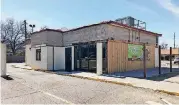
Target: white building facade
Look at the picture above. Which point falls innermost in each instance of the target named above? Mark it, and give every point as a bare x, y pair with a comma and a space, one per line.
81, 48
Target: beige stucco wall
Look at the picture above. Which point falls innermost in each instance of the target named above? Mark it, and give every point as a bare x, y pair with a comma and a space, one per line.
93, 33
120, 33
147, 38
39, 38
48, 38
105, 31
54, 38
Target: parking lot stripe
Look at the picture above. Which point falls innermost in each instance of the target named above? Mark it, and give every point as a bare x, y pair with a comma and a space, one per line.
61, 99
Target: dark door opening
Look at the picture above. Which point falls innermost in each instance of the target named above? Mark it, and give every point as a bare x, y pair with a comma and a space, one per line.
68, 59
85, 57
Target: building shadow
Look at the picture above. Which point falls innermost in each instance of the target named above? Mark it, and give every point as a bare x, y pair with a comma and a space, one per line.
165, 76
150, 73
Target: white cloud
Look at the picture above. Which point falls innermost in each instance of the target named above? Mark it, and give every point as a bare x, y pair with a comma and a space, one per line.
167, 4
141, 8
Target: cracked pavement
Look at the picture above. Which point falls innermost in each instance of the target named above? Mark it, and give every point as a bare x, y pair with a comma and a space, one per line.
33, 87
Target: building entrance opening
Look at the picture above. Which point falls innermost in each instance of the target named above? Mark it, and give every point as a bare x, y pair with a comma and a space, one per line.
85, 57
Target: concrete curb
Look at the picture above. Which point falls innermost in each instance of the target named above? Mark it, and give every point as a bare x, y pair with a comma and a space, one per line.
167, 92
46, 71
121, 83
102, 80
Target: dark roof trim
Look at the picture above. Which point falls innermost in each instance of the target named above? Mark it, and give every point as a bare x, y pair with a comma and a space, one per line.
74, 29
141, 30
47, 30
104, 22
113, 22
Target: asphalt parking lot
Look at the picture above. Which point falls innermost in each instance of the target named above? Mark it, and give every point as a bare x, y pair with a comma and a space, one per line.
33, 87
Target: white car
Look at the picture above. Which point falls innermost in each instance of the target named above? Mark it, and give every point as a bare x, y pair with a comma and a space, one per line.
176, 60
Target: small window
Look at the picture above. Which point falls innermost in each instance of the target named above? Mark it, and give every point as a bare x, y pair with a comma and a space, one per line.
38, 54
157, 40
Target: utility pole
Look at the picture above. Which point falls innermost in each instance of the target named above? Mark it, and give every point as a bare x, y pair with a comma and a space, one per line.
25, 27
174, 40
144, 60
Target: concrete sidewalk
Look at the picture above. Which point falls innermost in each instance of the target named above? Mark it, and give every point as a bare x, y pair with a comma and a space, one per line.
21, 65
161, 86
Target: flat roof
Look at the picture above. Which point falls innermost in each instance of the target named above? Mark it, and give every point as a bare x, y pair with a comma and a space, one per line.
104, 22
116, 23
55, 30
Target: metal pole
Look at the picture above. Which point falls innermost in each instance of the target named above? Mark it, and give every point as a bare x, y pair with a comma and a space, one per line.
53, 58
32, 29
25, 27
159, 48
25, 30
144, 60
174, 40
88, 57
80, 51
170, 59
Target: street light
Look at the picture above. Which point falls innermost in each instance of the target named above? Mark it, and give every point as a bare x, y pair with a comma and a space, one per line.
32, 26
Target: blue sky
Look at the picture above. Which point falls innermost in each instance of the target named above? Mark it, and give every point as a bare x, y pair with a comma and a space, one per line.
161, 16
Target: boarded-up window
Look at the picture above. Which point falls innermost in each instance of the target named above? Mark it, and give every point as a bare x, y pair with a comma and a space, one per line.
38, 54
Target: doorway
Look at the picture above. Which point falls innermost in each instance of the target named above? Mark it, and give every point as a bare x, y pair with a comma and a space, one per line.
68, 59
85, 57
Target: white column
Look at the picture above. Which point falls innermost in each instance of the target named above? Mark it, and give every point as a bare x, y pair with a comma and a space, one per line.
156, 57
99, 49
3, 59
72, 58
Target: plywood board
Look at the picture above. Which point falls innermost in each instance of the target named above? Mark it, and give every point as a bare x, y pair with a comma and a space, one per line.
118, 57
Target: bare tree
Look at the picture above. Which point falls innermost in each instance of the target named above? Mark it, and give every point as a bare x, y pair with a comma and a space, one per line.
64, 29
44, 27
12, 33
164, 45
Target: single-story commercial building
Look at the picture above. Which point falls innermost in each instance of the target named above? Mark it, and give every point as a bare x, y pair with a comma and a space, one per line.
165, 53
104, 47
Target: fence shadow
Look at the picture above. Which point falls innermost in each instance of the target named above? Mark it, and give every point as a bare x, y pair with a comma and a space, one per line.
165, 76
152, 74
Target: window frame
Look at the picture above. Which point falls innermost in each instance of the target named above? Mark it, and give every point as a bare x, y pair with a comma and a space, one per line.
38, 54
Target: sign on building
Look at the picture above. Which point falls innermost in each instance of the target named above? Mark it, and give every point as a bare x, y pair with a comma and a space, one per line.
135, 52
